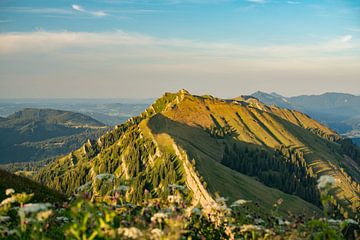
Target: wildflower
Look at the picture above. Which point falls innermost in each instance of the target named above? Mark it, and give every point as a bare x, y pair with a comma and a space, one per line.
351, 221
224, 208
4, 219
176, 186
239, 202
123, 188
159, 217
35, 207
196, 211
62, 219
333, 221
8, 200
84, 187
279, 201
9, 191
156, 233
132, 232
259, 221
250, 227
325, 181
105, 176
42, 216
269, 232
221, 200
174, 199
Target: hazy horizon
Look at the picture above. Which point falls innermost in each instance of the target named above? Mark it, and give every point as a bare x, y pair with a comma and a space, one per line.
149, 99
141, 49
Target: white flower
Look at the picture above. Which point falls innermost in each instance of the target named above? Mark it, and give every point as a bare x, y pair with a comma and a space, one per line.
351, 221
105, 176
250, 228
159, 217
220, 200
9, 191
239, 202
34, 207
85, 187
62, 219
259, 221
42, 216
156, 233
196, 211
132, 232
174, 198
333, 221
224, 208
8, 200
4, 219
123, 188
325, 181
176, 186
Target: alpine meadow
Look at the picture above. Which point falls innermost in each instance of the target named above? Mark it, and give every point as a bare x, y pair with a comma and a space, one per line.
186, 119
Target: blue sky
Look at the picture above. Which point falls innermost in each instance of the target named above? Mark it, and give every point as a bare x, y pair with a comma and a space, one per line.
108, 48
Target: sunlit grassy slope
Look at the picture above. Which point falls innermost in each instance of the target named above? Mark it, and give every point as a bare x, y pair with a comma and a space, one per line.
170, 143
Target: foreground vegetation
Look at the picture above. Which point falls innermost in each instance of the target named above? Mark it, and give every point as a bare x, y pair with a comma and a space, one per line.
113, 217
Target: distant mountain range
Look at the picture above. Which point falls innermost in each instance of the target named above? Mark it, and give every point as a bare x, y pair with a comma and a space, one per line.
107, 111
38, 134
339, 111
239, 148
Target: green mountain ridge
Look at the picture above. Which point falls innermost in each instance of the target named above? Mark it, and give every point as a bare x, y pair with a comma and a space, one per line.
185, 139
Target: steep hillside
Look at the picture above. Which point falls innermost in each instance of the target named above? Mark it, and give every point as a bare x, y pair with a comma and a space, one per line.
22, 184
239, 148
34, 134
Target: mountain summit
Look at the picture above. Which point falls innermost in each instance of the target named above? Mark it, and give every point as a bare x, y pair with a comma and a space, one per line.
238, 148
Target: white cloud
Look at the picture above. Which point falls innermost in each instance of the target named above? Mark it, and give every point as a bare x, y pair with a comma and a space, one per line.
257, 1
293, 2
99, 13
346, 38
33, 10
94, 13
77, 8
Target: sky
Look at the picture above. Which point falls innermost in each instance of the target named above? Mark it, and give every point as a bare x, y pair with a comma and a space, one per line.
141, 49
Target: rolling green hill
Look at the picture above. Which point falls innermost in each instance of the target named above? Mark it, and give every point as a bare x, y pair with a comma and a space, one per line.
36, 134
238, 148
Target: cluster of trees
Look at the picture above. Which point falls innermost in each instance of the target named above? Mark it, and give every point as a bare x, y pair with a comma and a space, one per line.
220, 132
350, 149
284, 169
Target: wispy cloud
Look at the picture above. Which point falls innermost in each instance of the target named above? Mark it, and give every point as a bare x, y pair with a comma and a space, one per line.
293, 2
346, 38
94, 13
34, 10
48, 41
257, 1
118, 63
77, 8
